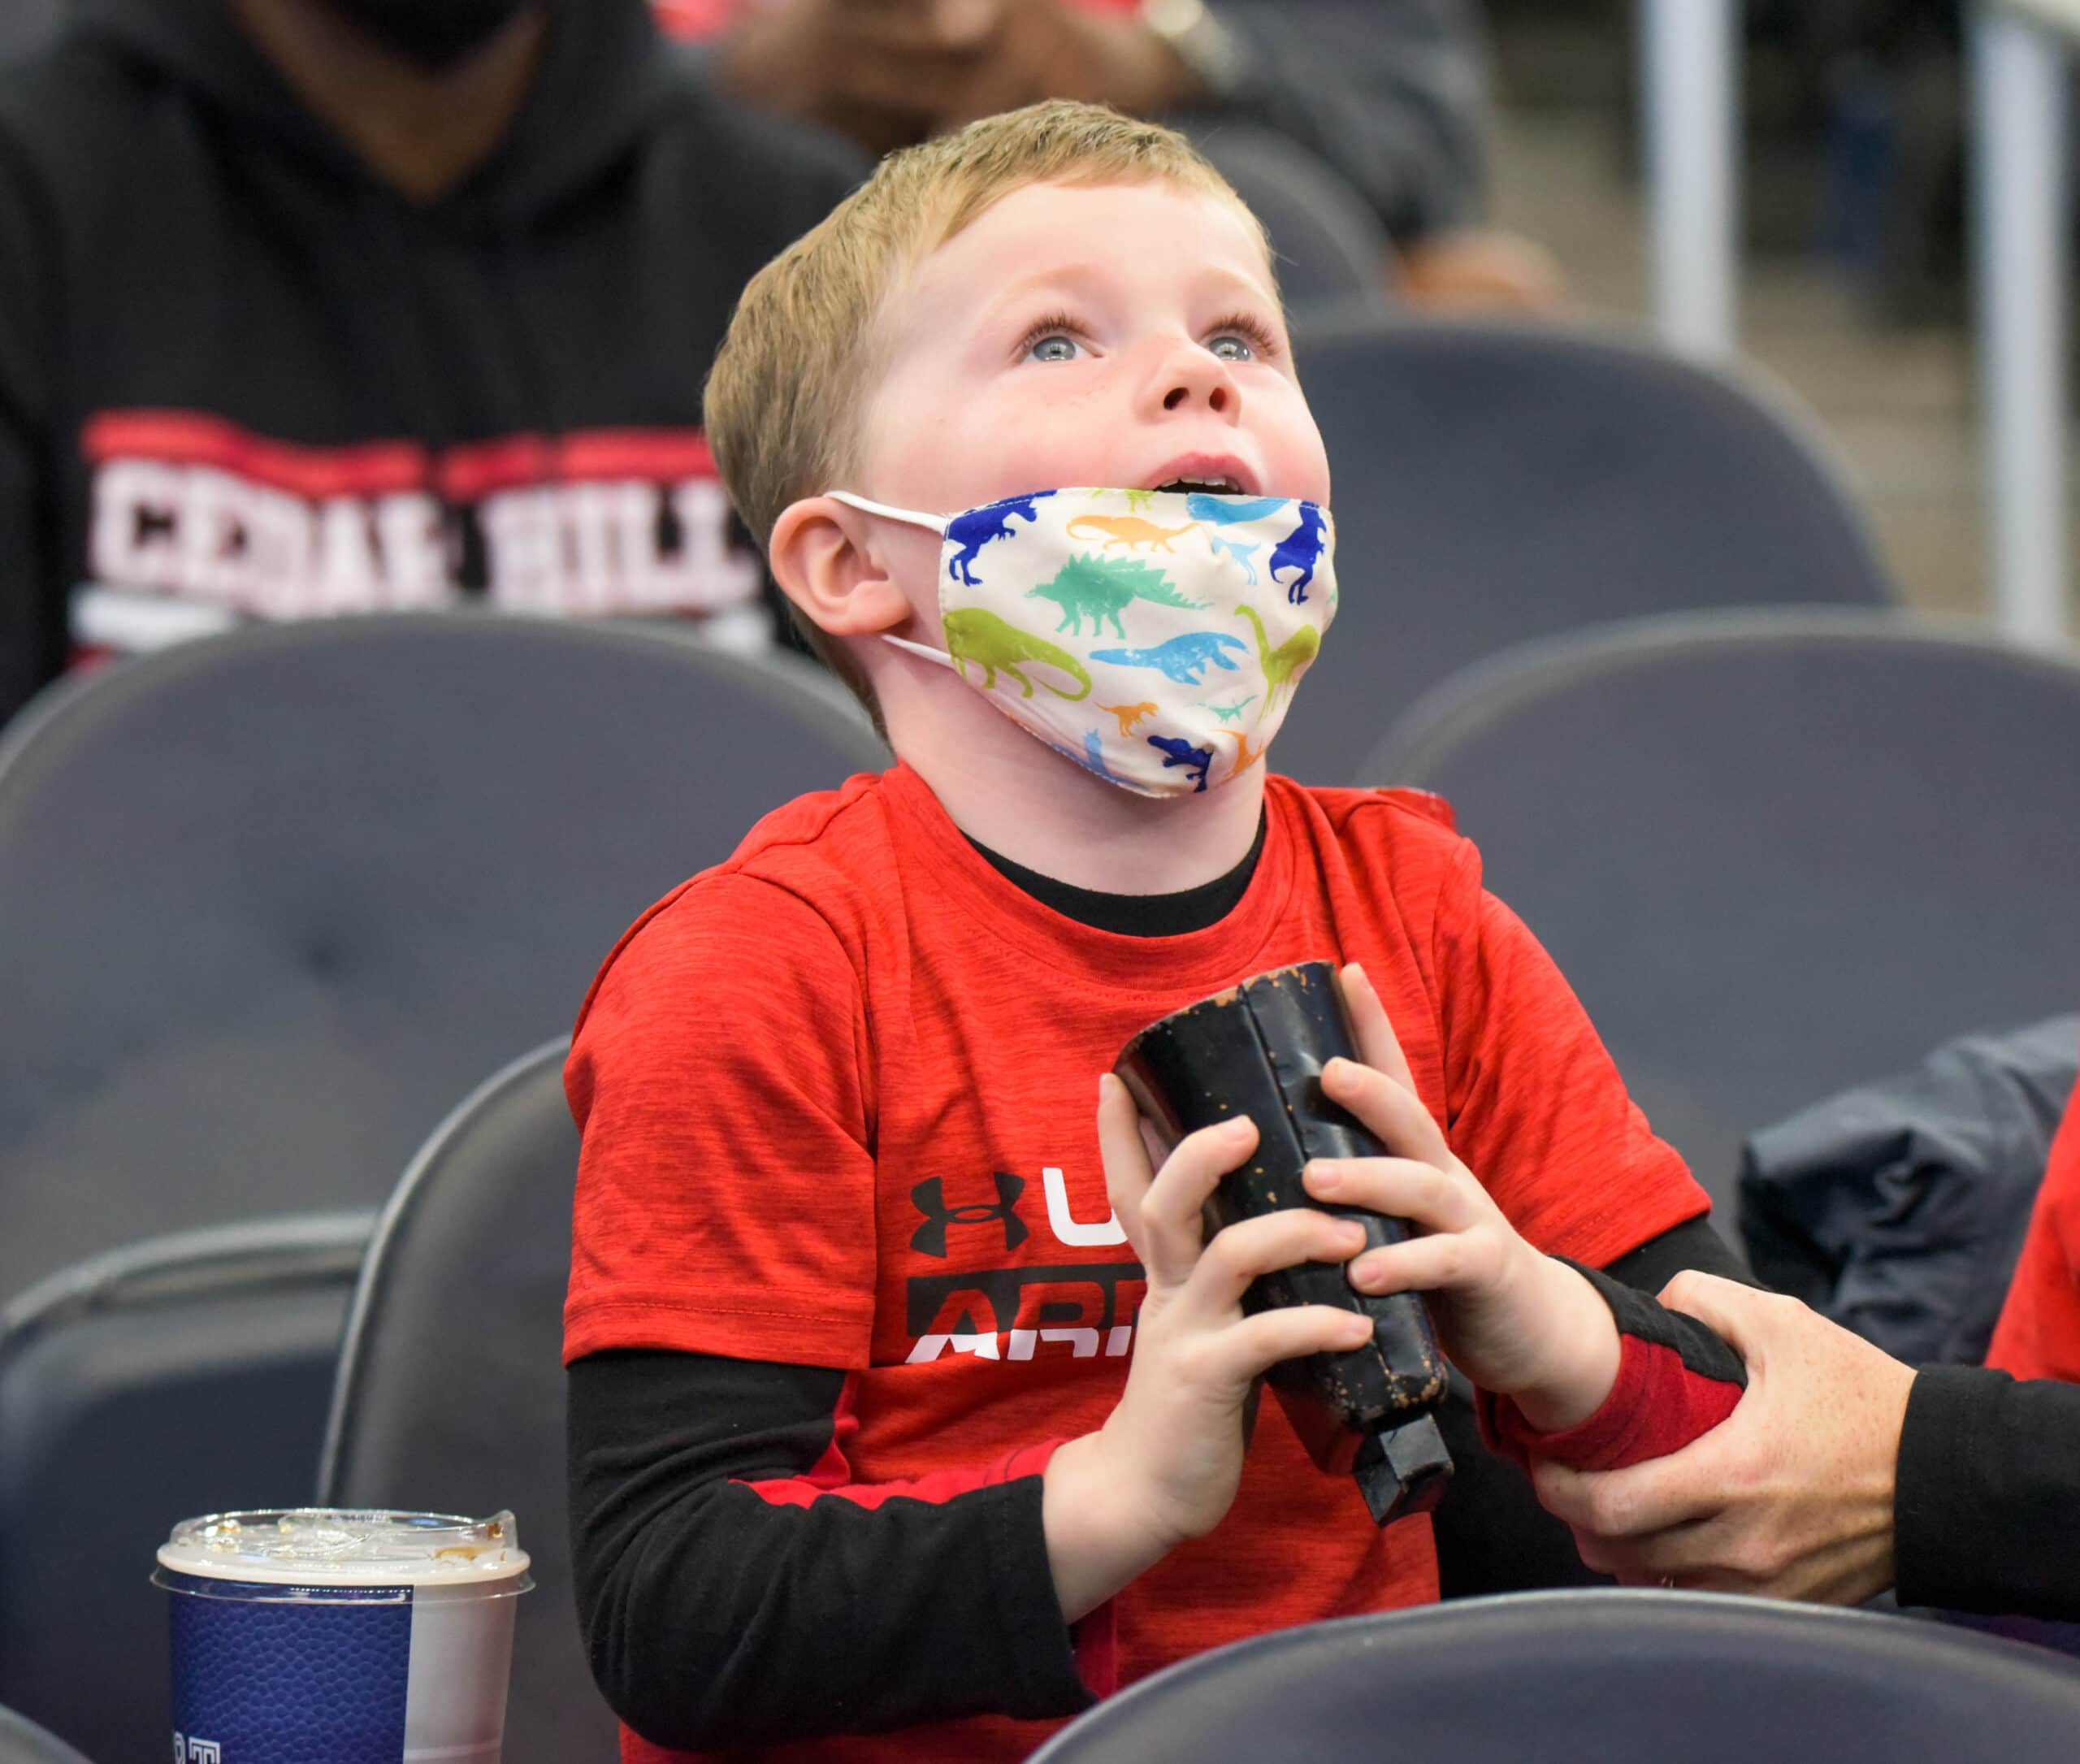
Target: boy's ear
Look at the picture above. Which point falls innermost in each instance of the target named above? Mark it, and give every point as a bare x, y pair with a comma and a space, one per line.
821, 558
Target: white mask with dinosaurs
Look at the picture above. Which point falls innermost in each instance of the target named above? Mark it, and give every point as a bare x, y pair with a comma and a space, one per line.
1182, 622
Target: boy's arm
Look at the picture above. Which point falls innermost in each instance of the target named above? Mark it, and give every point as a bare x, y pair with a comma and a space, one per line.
734, 1590
1574, 1365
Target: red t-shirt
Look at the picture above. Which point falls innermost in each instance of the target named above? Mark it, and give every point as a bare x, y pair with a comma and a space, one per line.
2039, 1333
838, 1100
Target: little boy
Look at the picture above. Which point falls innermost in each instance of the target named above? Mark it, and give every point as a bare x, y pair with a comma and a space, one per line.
904, 1395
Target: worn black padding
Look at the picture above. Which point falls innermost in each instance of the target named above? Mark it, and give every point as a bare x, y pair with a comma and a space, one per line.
181, 1376
1495, 482
1597, 1678
1775, 854
451, 1385
269, 902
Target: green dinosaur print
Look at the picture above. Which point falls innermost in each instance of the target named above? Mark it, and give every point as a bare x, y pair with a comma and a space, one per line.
1137, 500
1229, 713
995, 644
1099, 588
1288, 659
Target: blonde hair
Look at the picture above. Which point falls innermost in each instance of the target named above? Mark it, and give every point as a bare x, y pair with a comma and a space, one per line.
788, 390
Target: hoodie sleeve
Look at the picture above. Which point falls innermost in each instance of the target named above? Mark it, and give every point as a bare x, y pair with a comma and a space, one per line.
32, 617
1392, 93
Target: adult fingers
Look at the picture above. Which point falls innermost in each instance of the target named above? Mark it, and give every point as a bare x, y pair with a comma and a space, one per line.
1254, 1247
1634, 1502
1390, 1107
1748, 1320
1378, 1045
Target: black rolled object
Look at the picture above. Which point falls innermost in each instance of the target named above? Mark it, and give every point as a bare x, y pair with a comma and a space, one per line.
1257, 1049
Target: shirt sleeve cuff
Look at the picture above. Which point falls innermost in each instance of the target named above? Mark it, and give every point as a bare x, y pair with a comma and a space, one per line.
1058, 1672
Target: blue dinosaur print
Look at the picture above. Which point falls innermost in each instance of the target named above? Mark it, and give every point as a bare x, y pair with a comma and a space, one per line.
1093, 754
1227, 511
1181, 657
1177, 750
1241, 551
1300, 550
975, 529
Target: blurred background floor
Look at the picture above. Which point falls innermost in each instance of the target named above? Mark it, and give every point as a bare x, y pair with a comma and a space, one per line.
1897, 397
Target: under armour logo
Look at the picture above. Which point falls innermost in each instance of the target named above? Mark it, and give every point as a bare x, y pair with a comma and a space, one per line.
187, 1751
929, 1197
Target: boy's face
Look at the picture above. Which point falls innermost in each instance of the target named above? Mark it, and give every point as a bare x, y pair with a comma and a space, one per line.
1124, 336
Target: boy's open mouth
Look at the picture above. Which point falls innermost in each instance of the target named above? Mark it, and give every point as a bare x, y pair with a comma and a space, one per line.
1215, 474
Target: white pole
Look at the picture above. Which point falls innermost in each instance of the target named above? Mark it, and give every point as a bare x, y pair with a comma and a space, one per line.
1690, 77
2019, 125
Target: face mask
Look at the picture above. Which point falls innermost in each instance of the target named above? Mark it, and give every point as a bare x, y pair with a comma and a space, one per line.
435, 33
1153, 637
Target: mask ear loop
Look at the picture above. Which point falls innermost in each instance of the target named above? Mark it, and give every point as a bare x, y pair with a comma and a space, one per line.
931, 523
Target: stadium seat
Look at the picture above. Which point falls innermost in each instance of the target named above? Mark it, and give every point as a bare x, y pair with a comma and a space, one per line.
1776, 854
1496, 483
1597, 1678
171, 1378
270, 902
1331, 248
23, 1742
450, 1392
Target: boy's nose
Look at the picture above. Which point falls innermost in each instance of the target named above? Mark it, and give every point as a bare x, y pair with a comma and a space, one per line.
1190, 378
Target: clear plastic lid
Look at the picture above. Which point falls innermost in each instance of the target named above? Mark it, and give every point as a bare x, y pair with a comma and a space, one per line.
337, 1546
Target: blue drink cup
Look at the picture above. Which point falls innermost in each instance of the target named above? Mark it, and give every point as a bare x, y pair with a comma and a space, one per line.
329, 1636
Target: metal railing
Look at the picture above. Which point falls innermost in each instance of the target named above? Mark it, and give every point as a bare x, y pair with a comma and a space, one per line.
1690, 70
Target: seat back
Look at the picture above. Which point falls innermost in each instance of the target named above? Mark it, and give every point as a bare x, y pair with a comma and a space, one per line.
176, 1377
1597, 1678
270, 902
1775, 855
1497, 482
451, 1387
23, 1742
1330, 248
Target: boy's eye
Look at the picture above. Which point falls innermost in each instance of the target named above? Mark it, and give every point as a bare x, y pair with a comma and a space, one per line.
1229, 347
1053, 348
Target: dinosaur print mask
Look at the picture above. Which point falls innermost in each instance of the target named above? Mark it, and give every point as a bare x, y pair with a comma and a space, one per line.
1153, 637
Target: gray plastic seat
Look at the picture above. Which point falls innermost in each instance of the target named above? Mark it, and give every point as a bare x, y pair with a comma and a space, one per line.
1331, 248
1775, 854
23, 1742
270, 902
450, 1384
1497, 482
183, 1376
1597, 1678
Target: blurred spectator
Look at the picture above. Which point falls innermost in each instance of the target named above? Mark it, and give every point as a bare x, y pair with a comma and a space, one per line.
319, 306
1389, 93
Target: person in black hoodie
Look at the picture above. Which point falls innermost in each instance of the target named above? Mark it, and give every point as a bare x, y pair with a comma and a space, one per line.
324, 306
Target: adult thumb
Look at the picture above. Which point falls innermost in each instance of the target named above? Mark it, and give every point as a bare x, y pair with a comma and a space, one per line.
1736, 1314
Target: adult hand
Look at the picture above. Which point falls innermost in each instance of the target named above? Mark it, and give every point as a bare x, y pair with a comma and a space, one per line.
1790, 1497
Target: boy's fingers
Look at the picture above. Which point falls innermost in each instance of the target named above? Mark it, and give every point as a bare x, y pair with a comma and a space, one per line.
1171, 1205
1390, 1109
1252, 1247
1436, 1264
1128, 1170
1378, 1045
1402, 1188
1251, 1348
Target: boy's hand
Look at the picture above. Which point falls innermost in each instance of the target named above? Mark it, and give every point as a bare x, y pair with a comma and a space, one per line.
1516, 1322
1166, 1464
